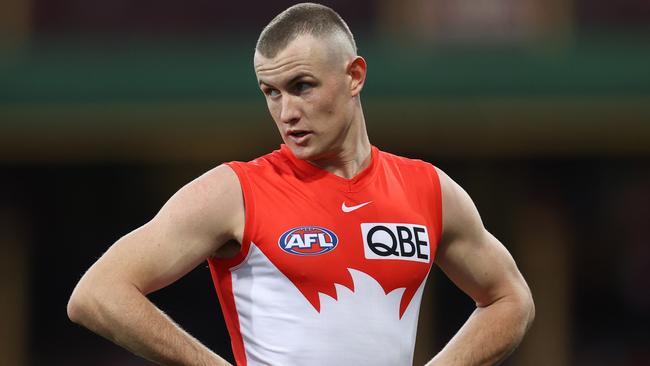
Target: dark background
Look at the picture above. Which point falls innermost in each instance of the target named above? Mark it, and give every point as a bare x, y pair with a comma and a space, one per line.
539, 109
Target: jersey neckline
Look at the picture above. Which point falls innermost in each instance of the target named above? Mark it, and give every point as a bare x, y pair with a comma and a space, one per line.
308, 171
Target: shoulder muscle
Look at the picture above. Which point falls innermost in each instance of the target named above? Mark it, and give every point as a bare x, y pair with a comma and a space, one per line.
195, 222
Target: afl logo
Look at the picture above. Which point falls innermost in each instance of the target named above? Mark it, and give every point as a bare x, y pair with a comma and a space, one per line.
308, 240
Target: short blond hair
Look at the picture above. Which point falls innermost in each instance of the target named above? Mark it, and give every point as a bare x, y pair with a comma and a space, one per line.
305, 18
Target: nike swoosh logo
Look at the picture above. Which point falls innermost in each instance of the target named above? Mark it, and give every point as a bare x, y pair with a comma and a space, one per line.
352, 208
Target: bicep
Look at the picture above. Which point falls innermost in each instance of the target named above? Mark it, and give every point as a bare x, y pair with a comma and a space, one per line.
469, 255
189, 228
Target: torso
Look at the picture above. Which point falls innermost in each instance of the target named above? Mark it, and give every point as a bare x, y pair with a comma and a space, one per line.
330, 270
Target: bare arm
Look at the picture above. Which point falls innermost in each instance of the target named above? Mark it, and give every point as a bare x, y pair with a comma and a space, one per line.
482, 267
110, 299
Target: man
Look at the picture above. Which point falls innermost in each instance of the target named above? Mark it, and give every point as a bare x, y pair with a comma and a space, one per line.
319, 251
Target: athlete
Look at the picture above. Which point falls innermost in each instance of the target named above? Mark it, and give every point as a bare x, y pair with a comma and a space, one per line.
319, 251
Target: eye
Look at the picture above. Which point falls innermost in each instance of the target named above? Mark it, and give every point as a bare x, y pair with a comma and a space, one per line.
273, 93
302, 87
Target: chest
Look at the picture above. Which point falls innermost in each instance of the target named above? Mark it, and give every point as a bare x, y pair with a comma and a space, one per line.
315, 235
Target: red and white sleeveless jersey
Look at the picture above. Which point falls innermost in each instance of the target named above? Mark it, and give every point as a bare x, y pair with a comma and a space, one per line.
331, 270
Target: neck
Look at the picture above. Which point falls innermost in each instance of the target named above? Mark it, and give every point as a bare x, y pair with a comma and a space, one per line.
347, 165
353, 155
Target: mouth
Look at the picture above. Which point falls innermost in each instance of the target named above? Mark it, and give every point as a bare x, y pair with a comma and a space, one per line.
299, 137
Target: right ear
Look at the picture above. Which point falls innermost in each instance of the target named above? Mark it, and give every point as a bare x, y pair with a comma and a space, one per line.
357, 70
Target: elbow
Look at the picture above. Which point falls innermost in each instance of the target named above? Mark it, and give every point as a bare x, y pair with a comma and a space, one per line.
531, 311
77, 306
95, 298
85, 302
527, 308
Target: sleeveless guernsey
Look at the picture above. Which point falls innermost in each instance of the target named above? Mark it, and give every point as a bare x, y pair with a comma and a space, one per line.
331, 270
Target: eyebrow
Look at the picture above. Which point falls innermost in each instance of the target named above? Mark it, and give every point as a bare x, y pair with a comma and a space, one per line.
292, 80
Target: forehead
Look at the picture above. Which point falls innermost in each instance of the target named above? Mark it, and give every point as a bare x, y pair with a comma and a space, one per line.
305, 53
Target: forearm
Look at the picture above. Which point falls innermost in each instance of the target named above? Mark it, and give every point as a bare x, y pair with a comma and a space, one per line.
126, 317
490, 334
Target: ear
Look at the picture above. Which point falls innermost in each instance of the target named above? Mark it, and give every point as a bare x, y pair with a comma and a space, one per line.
357, 70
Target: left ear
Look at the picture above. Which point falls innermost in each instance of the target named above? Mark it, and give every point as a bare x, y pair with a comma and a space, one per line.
357, 70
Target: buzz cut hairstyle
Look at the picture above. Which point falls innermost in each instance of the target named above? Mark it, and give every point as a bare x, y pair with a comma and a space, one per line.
305, 18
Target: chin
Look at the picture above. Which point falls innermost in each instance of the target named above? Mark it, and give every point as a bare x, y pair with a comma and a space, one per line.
304, 152
301, 152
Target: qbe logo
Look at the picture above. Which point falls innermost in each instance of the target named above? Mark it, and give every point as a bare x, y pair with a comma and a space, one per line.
408, 242
308, 240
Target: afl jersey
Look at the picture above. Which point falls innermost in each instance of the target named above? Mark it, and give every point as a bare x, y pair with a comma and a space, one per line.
331, 270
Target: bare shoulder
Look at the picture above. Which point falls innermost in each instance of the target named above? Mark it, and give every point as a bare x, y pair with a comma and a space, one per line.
191, 226
460, 216
215, 184
220, 179
212, 203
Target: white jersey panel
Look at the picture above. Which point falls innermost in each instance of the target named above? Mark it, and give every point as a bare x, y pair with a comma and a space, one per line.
280, 327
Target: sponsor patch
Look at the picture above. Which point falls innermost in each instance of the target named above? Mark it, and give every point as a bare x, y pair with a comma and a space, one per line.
408, 242
308, 240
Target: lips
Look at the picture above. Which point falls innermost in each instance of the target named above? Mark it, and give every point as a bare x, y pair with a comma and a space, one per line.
298, 133
299, 137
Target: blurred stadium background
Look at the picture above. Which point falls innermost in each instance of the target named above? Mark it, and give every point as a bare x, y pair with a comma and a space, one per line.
539, 108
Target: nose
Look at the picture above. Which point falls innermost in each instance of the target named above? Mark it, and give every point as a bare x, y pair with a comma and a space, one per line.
290, 112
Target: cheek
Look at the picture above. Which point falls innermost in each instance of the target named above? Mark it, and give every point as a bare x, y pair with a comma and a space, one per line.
329, 103
337, 104
273, 109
